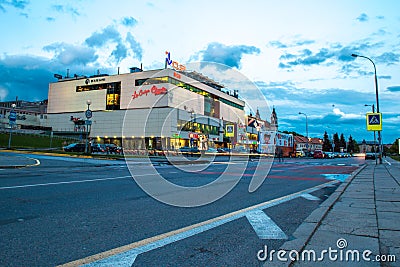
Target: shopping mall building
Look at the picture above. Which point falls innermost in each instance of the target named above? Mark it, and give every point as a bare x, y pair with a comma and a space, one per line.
155, 109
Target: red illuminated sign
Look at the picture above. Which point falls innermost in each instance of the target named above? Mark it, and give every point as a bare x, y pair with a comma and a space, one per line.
177, 75
194, 135
154, 90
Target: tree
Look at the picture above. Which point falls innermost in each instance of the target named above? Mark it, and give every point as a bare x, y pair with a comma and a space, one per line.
350, 146
326, 146
342, 141
394, 149
336, 142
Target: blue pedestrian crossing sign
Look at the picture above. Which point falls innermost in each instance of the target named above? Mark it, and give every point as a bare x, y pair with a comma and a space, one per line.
12, 117
374, 121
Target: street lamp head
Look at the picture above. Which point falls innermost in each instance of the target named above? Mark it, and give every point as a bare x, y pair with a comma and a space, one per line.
354, 55
88, 102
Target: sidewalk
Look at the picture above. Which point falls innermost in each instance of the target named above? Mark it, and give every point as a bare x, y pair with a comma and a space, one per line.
8, 160
363, 214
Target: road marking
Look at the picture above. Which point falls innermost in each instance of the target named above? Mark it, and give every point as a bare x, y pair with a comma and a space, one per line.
127, 254
390, 164
264, 226
71, 182
336, 176
310, 197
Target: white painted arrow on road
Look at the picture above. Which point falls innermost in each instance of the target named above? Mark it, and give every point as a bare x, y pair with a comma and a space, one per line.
264, 226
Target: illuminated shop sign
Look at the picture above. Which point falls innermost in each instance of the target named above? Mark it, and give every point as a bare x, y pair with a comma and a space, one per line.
172, 63
153, 90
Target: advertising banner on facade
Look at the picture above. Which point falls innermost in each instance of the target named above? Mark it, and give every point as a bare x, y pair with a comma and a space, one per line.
267, 142
284, 140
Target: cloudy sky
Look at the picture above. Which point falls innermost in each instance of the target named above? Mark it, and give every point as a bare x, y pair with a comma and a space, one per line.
298, 53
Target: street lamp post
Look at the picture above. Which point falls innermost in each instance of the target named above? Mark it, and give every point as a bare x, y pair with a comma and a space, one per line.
258, 128
88, 122
12, 119
306, 127
377, 103
373, 110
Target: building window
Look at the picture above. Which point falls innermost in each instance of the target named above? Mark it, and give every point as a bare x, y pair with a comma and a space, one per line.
113, 96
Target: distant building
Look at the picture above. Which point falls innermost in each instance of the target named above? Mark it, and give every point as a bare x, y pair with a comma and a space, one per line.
154, 109
310, 144
368, 146
30, 115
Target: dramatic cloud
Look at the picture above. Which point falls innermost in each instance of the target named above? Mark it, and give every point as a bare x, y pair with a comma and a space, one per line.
120, 52
135, 46
295, 43
108, 34
277, 44
19, 4
129, 21
335, 52
66, 9
228, 55
363, 17
306, 58
326, 109
388, 58
27, 77
68, 54
394, 88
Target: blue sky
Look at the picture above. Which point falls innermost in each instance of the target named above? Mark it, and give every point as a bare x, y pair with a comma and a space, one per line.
296, 52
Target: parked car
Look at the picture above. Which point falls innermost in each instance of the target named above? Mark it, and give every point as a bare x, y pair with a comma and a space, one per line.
187, 149
98, 148
369, 155
318, 154
329, 155
75, 147
112, 148
300, 154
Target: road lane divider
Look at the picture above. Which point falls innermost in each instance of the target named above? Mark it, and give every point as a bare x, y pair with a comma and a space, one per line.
70, 182
126, 255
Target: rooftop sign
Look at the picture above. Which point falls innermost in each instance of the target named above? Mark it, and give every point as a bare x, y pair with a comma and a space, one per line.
174, 64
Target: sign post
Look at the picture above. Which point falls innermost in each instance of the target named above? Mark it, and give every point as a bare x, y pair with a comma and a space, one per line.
12, 118
88, 123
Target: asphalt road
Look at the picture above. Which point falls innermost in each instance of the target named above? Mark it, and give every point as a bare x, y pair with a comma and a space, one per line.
68, 209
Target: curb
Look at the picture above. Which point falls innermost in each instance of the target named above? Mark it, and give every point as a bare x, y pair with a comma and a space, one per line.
21, 165
306, 230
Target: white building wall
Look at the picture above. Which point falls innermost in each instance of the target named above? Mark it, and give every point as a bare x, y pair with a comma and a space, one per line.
64, 98
186, 100
232, 114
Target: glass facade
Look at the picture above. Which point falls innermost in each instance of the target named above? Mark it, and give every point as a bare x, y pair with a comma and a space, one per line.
209, 100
